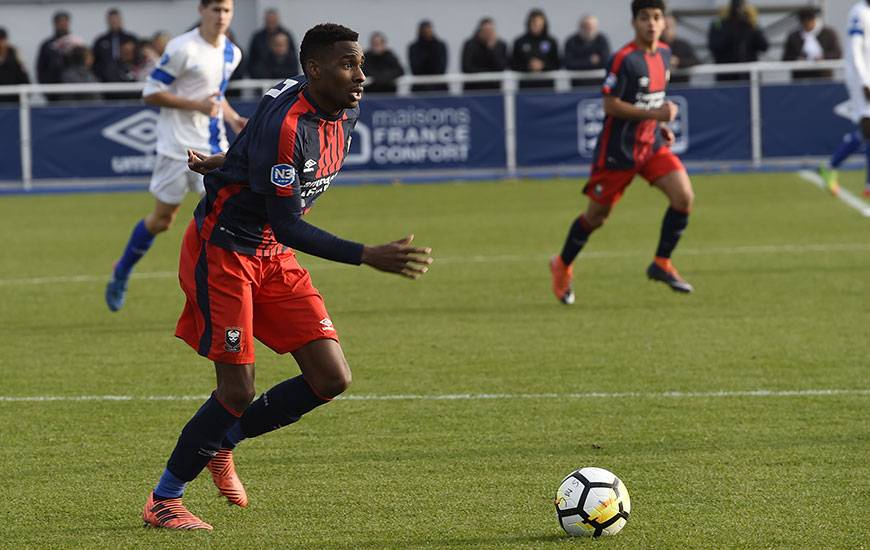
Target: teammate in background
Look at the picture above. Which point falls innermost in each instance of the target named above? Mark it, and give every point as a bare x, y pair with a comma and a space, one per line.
188, 85
858, 84
635, 139
242, 281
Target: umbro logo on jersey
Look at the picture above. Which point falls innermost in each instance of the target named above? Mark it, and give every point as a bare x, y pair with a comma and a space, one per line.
326, 325
310, 165
643, 81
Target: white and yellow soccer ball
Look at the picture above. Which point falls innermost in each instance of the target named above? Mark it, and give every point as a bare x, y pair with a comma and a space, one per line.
592, 502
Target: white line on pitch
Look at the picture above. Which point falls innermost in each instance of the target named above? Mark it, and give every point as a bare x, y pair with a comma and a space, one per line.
844, 195
321, 265
474, 396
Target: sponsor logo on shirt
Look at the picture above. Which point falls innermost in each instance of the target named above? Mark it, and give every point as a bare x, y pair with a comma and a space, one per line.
283, 175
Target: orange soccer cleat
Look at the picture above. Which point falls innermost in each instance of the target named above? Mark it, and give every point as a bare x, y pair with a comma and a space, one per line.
562, 277
223, 473
663, 270
170, 513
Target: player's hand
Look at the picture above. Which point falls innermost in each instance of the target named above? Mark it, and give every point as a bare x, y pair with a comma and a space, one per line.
399, 257
867, 93
202, 164
667, 112
668, 134
209, 106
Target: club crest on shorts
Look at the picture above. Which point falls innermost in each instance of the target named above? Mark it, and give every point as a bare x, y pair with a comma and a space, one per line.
326, 325
233, 339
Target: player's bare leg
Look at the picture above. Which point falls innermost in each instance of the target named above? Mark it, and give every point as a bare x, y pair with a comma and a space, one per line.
678, 188
158, 221
561, 268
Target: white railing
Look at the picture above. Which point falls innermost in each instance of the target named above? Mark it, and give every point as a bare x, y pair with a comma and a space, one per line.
509, 86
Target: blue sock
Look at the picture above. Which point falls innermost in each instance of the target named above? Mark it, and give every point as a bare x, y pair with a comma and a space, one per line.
169, 486
139, 243
851, 143
200, 440
867, 156
578, 234
673, 225
233, 437
282, 405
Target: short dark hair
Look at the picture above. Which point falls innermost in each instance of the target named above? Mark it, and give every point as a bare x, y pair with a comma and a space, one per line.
58, 15
113, 11
3, 34
320, 38
206, 3
808, 14
638, 5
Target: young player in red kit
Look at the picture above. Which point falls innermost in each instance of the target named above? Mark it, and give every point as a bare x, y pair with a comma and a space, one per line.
242, 280
635, 139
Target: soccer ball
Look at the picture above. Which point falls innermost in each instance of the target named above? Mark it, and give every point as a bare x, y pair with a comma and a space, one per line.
592, 502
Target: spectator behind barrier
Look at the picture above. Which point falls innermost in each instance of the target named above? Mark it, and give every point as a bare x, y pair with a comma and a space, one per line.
587, 49
279, 62
683, 54
535, 51
242, 67
11, 69
53, 52
427, 55
122, 69
149, 53
79, 69
107, 47
484, 52
381, 65
813, 41
734, 37
259, 47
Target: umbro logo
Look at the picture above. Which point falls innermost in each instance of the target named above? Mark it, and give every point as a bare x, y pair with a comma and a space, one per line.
326, 325
310, 165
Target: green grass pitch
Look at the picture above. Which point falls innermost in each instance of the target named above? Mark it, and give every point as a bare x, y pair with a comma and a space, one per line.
782, 273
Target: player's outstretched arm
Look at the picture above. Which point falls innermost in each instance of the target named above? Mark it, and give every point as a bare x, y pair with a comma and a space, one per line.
285, 218
399, 257
203, 164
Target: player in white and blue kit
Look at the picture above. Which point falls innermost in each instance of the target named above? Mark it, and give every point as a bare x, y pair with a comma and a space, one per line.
858, 84
188, 85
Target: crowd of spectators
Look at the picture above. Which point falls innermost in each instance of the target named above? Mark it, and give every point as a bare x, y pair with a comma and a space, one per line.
119, 56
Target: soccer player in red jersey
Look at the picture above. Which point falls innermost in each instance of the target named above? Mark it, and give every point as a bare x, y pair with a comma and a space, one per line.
240, 274
635, 139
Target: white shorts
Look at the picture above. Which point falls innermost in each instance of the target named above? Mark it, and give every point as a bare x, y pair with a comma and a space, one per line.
171, 180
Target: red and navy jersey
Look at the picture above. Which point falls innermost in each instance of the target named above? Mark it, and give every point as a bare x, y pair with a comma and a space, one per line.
640, 78
289, 148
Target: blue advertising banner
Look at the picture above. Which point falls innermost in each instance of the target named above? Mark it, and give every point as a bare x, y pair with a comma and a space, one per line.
713, 124
803, 119
10, 145
93, 142
397, 133
429, 133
